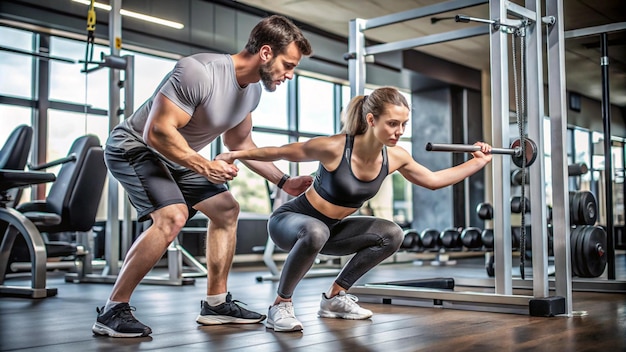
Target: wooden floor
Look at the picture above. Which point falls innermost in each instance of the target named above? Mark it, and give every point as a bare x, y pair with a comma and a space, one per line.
63, 323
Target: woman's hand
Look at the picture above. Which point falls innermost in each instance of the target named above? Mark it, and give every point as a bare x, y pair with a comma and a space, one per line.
227, 157
484, 152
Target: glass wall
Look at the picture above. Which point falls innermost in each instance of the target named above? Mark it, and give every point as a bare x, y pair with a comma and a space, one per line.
16, 70
298, 110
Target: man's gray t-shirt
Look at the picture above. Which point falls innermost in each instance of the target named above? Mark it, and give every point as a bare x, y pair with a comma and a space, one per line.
204, 86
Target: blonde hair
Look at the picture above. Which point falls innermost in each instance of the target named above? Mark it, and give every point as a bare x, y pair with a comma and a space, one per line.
361, 105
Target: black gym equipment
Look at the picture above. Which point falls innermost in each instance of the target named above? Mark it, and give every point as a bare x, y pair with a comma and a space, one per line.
430, 239
484, 211
471, 238
412, 241
515, 151
572, 170
583, 208
450, 239
516, 205
588, 248
487, 238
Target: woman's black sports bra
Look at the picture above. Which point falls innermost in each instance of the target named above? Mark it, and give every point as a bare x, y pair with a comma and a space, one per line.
341, 187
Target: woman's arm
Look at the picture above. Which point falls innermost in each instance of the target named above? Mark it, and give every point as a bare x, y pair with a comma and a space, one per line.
315, 149
422, 176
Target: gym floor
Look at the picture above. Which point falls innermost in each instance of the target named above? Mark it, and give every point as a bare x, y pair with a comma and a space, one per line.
63, 323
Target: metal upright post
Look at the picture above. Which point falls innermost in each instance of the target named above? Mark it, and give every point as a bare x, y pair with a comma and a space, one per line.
129, 108
356, 64
501, 169
558, 128
112, 228
535, 109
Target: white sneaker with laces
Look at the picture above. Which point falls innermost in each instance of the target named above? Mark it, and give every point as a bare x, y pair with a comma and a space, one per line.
282, 317
342, 306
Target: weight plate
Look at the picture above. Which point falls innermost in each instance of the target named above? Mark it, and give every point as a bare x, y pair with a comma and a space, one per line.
580, 257
574, 250
573, 208
593, 251
587, 207
531, 152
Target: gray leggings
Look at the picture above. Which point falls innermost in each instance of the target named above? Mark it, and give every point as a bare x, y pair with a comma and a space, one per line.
303, 231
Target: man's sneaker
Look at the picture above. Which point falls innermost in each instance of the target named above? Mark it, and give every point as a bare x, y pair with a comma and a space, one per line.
119, 321
342, 306
229, 312
282, 317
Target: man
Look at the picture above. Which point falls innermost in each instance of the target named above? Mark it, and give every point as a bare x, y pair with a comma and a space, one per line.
154, 155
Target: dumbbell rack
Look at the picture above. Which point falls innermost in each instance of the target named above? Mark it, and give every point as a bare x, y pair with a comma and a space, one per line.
541, 302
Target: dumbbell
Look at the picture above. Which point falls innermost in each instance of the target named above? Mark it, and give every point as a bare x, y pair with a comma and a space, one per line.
450, 238
412, 241
572, 170
430, 239
471, 238
486, 238
484, 211
516, 205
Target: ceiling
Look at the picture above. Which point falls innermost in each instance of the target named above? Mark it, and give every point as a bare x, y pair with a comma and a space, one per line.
582, 58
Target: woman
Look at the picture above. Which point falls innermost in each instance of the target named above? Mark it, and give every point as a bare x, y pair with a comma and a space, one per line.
352, 166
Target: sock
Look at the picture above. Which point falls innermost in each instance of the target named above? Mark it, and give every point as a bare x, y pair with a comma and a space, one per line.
110, 304
215, 300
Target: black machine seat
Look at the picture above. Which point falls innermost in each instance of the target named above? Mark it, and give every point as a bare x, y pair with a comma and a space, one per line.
13, 156
73, 199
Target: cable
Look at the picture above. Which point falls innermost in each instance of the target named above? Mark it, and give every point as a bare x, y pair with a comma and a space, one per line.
520, 111
91, 28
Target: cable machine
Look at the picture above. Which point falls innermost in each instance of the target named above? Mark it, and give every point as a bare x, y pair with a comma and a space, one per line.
528, 19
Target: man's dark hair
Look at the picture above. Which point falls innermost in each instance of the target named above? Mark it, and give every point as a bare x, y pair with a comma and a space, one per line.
277, 32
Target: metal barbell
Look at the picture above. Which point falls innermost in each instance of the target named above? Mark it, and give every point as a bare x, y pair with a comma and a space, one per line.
515, 150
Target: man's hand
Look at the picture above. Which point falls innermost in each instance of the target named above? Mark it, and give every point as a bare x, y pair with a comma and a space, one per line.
296, 185
219, 171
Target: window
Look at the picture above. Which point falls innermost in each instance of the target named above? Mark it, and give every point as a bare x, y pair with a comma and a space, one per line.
12, 116
62, 134
272, 109
149, 71
316, 106
16, 69
69, 84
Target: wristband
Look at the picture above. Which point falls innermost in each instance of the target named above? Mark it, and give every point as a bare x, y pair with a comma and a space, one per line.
282, 181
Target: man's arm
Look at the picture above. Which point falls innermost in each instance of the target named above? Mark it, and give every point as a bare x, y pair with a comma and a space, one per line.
161, 133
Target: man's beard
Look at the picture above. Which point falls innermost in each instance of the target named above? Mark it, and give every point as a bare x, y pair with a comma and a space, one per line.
266, 76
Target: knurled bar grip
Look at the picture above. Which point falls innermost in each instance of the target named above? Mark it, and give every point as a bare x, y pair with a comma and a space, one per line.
464, 148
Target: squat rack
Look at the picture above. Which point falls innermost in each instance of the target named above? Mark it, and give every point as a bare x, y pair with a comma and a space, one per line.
503, 299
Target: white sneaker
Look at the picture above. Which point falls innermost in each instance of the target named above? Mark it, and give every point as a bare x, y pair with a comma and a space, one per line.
342, 306
282, 317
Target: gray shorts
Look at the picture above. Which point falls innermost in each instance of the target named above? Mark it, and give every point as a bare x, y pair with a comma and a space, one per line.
151, 181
